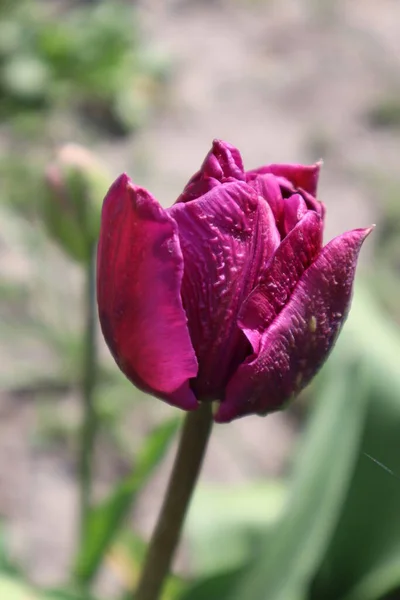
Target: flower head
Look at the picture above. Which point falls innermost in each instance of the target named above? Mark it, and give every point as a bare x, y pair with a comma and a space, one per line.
228, 295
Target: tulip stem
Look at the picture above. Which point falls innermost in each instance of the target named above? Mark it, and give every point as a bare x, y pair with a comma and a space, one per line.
89, 425
192, 446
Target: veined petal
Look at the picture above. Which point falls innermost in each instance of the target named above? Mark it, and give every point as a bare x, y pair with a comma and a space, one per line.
197, 186
295, 209
140, 270
267, 186
226, 236
303, 177
295, 254
222, 163
299, 340
314, 204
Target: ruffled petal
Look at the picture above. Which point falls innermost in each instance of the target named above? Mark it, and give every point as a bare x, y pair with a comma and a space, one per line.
139, 276
314, 204
227, 237
197, 187
295, 254
299, 340
267, 187
223, 163
295, 209
303, 177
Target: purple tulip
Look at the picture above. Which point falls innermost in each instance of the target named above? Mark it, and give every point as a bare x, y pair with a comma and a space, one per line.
228, 295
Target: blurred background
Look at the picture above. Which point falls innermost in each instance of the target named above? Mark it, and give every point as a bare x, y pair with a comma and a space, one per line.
289, 507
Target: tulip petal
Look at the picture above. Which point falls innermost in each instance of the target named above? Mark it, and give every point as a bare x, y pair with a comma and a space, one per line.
303, 177
197, 186
295, 254
314, 204
267, 187
297, 343
140, 270
222, 163
226, 236
295, 209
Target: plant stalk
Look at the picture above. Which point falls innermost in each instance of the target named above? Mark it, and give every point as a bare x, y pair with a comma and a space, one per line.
89, 368
191, 450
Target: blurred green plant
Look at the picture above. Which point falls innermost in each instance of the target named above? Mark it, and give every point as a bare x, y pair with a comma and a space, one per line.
385, 114
76, 185
105, 519
87, 57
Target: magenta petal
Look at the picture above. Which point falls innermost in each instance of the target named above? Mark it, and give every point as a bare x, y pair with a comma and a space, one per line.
303, 177
222, 163
295, 254
314, 204
139, 275
295, 209
197, 186
297, 343
267, 187
227, 237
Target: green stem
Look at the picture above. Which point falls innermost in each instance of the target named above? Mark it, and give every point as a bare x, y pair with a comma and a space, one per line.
89, 424
186, 469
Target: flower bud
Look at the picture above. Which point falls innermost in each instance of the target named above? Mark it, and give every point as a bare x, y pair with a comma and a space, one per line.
75, 181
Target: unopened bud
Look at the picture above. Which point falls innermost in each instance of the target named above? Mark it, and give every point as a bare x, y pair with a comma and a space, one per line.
75, 183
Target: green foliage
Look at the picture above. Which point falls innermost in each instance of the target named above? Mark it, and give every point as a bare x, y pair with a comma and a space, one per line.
106, 518
219, 585
88, 57
363, 558
76, 184
224, 522
65, 594
385, 114
293, 550
22, 185
13, 589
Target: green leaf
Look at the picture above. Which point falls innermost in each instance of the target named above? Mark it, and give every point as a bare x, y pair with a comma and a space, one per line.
7, 566
13, 589
61, 594
224, 521
363, 558
378, 582
219, 585
293, 550
106, 518
128, 555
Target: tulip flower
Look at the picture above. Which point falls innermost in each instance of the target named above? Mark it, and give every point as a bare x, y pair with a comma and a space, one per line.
228, 295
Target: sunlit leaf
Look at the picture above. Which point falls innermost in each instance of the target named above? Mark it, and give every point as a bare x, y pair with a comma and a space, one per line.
106, 518
61, 594
125, 561
13, 589
322, 473
219, 585
363, 558
7, 565
224, 520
